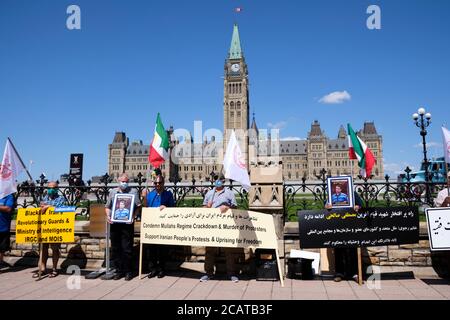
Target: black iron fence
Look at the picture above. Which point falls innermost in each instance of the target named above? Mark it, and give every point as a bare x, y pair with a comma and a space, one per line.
297, 196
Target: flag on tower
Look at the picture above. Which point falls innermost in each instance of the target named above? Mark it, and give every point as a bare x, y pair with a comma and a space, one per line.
159, 148
238, 9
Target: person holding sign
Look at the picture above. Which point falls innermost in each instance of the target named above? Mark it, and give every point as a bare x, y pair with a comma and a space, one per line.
443, 197
224, 199
346, 259
158, 198
52, 199
6, 210
122, 233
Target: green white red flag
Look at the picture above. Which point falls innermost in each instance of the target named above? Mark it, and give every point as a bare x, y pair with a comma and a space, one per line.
358, 150
159, 148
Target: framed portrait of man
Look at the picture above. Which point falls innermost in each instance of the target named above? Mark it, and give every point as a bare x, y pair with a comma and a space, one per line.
123, 208
340, 192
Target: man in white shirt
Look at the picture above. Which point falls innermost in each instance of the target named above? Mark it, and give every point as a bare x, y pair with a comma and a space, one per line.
443, 197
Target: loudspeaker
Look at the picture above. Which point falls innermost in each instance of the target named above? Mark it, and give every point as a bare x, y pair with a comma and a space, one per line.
266, 265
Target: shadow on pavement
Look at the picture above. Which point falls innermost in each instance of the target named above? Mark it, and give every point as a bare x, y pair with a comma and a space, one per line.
402, 275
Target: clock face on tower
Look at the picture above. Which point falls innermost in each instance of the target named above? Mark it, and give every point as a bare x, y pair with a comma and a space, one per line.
235, 67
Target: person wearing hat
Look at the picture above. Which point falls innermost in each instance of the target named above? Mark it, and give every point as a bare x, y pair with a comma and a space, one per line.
443, 197
224, 199
158, 198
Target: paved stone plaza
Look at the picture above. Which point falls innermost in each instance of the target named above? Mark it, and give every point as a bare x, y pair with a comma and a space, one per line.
17, 284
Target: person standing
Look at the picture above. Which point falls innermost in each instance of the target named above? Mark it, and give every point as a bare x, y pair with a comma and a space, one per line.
122, 234
156, 253
346, 259
6, 210
443, 197
224, 199
52, 199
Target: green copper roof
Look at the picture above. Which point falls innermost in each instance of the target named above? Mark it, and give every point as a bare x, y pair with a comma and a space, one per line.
235, 48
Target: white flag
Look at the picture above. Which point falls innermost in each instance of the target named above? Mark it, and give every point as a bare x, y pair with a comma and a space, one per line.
10, 169
446, 135
234, 165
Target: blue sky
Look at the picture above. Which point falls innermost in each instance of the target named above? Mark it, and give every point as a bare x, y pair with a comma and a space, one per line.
68, 91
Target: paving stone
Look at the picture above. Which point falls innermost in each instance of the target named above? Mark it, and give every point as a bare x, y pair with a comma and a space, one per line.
20, 285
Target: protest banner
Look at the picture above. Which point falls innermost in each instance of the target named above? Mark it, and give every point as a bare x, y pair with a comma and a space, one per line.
208, 227
438, 223
370, 227
52, 226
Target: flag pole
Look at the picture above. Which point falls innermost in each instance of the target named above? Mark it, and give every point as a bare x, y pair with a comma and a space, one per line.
351, 168
448, 179
20, 159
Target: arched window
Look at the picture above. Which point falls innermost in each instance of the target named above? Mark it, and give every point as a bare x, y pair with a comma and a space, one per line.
238, 105
232, 105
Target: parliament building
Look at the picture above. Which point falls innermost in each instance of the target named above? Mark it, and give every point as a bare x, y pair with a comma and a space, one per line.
197, 161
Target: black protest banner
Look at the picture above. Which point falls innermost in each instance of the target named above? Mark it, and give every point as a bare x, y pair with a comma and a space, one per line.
366, 228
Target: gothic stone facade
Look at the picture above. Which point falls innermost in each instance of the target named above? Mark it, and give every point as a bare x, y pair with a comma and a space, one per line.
197, 161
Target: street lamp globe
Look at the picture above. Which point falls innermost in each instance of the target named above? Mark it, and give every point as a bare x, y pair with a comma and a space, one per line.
428, 116
421, 111
415, 116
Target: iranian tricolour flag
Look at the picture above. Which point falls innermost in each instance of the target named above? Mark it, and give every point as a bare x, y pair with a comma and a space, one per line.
160, 145
358, 150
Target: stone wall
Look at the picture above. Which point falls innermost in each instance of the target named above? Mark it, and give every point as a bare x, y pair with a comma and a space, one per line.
84, 248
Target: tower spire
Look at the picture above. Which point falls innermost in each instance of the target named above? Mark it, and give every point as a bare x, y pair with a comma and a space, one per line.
235, 47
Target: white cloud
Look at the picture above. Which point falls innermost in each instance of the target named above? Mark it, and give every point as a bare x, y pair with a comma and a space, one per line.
431, 144
292, 138
277, 125
336, 97
394, 169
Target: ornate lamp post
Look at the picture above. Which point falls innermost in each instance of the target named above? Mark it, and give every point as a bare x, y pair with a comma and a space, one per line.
422, 119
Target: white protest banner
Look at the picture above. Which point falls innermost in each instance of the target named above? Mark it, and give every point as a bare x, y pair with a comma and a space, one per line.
438, 222
208, 227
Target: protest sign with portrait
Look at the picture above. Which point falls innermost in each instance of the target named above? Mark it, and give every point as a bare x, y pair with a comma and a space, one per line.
123, 208
340, 192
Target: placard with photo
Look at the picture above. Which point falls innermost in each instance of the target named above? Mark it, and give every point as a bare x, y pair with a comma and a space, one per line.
340, 192
123, 206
